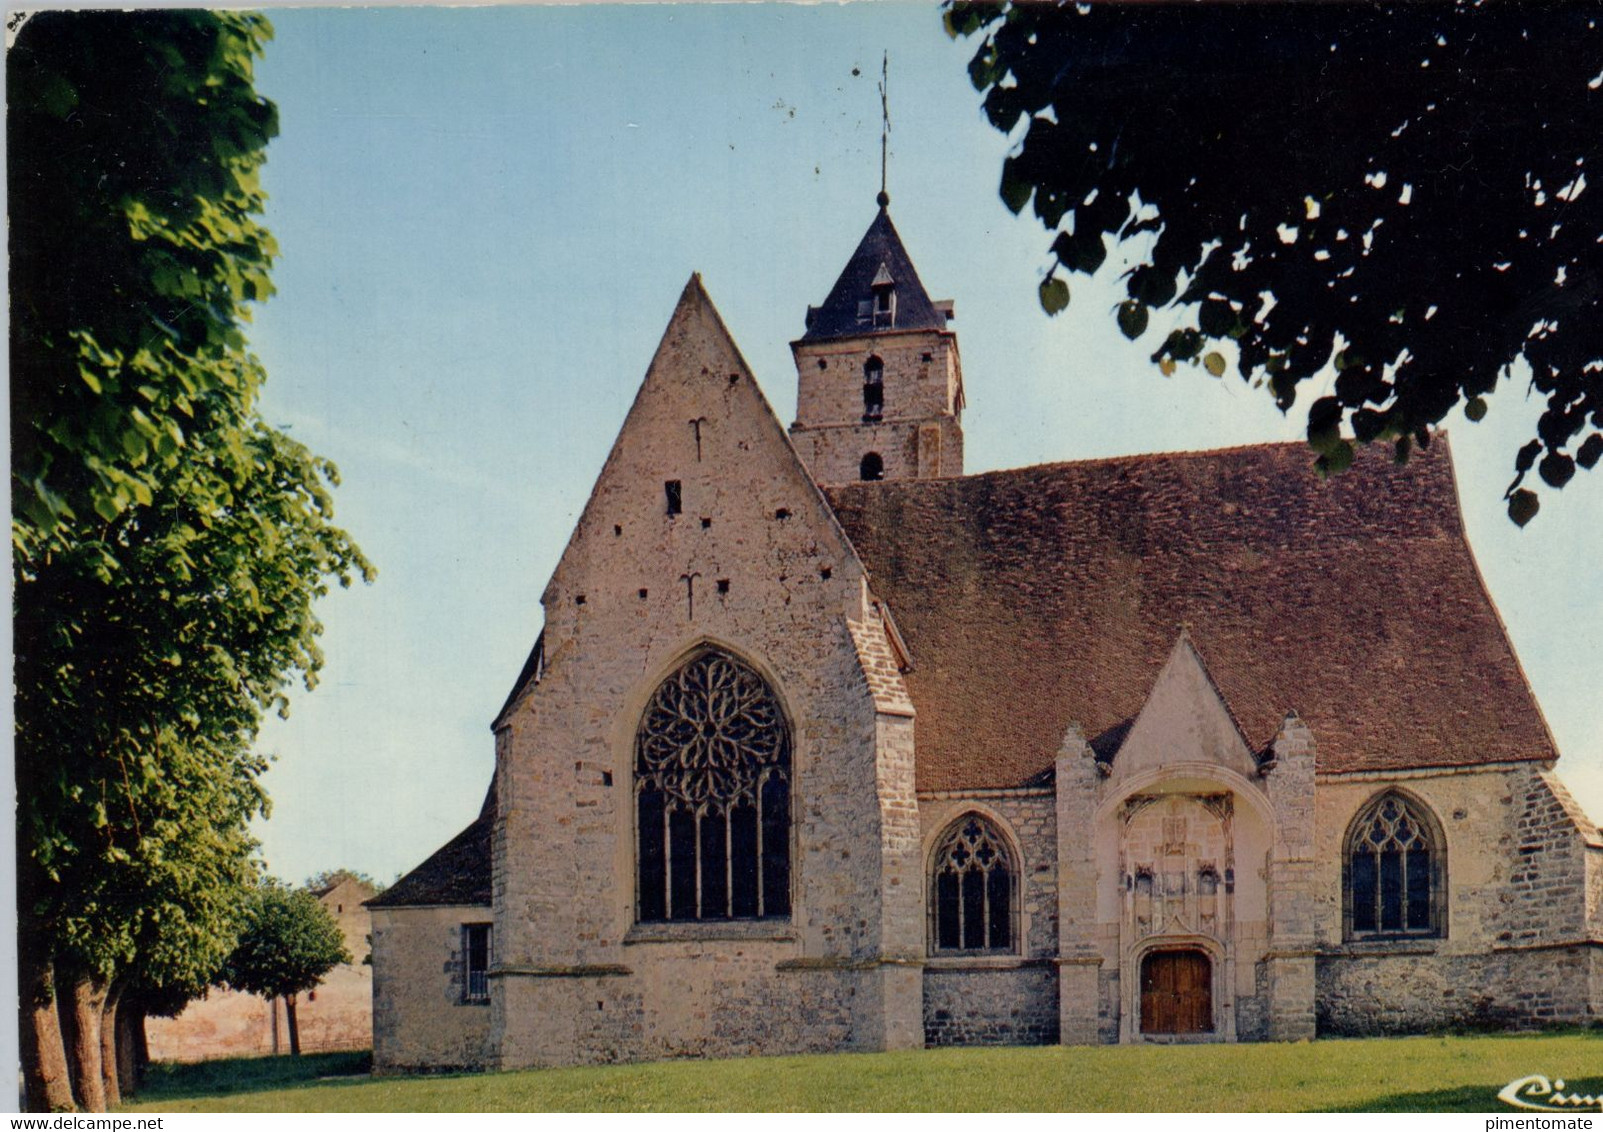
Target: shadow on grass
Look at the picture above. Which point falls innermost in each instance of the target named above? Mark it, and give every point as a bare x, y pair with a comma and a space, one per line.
174, 1081
1465, 1098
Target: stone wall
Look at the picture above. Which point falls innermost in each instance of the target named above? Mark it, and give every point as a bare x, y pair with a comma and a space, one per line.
1410, 993
1548, 897
713, 998
223, 1024
919, 433
999, 1000
420, 1021
1518, 945
337, 1015
1252, 1010
922, 373
909, 449
1004, 1005
1029, 819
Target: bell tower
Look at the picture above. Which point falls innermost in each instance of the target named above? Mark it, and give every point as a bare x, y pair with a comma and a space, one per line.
879, 386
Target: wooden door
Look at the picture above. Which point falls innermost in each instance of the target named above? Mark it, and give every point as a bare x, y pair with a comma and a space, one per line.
1176, 993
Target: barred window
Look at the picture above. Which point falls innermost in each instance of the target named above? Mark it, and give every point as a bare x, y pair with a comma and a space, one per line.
971, 893
1395, 874
712, 796
476, 962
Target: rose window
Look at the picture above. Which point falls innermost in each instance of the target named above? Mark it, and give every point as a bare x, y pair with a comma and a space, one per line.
712, 789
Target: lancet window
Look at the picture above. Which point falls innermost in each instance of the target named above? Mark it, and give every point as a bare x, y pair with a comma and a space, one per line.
712, 796
1395, 871
972, 891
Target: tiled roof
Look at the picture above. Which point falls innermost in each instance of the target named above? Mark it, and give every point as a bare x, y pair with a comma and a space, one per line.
457, 873
879, 251
1033, 598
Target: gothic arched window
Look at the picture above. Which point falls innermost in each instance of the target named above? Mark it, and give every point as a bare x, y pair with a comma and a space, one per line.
873, 389
712, 796
972, 904
871, 468
1395, 871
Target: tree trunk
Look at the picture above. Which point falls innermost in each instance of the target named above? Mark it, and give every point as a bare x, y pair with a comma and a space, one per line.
83, 1042
130, 1024
46, 1086
141, 1048
294, 1026
108, 1042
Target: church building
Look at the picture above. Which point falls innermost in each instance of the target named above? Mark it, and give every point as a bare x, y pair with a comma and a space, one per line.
827, 746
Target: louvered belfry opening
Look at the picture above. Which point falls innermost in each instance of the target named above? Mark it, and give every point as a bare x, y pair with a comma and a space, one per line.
712, 796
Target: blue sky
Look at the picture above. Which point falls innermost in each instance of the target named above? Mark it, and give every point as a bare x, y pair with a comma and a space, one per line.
485, 216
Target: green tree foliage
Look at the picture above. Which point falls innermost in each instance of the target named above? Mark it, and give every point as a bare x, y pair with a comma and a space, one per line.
168, 545
288, 943
328, 878
1397, 191
136, 144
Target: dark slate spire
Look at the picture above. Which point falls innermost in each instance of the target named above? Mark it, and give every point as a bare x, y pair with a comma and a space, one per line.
850, 309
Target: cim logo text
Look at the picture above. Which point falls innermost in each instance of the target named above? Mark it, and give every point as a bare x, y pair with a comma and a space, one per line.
1539, 1094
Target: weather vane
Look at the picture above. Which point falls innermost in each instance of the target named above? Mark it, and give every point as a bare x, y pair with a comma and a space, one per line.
884, 197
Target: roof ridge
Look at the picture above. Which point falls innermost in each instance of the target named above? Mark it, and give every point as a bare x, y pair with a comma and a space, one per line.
1090, 462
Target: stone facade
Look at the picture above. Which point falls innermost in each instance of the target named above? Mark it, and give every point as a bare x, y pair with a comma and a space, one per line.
1520, 941
752, 563
918, 430
801, 765
999, 1000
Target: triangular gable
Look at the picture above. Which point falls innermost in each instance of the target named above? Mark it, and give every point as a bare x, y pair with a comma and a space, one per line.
700, 419
1185, 719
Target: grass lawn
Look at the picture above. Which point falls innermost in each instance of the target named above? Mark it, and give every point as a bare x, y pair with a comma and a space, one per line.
1428, 1074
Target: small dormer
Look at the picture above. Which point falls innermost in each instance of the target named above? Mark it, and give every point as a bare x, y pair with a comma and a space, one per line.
883, 305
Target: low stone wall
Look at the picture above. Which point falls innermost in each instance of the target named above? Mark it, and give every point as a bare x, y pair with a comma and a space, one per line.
338, 1015
974, 1007
1108, 1004
1362, 995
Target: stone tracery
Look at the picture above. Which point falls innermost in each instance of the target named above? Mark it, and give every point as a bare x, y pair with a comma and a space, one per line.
712, 787
973, 904
712, 728
1392, 865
